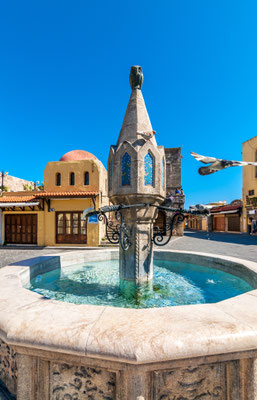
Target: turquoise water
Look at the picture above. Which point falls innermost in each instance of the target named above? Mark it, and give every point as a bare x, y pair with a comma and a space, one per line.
173, 284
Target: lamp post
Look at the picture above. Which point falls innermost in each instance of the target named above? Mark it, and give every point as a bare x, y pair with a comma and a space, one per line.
3, 174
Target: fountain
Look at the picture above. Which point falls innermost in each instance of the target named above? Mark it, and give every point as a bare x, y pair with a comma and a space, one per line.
59, 350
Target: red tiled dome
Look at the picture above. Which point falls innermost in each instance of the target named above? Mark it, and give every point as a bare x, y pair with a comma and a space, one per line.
76, 155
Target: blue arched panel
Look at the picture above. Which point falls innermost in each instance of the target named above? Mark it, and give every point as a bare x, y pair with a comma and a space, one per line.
149, 169
126, 169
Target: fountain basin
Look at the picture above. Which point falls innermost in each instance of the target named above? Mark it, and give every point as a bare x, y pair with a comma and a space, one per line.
56, 349
174, 284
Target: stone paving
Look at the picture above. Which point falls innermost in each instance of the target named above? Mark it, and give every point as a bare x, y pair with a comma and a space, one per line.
9, 255
236, 245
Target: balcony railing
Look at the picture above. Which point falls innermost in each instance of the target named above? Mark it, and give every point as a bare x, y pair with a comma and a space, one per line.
251, 201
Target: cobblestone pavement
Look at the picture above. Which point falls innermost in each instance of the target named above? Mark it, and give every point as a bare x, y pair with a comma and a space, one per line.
9, 255
238, 245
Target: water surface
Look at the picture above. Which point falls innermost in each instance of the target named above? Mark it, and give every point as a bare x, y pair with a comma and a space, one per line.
173, 284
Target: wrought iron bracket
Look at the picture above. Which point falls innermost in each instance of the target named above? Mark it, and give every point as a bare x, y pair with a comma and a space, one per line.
117, 232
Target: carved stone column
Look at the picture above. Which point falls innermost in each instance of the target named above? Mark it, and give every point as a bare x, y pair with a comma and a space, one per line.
136, 263
137, 174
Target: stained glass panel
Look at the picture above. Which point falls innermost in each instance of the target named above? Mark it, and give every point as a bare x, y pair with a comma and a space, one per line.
125, 169
149, 169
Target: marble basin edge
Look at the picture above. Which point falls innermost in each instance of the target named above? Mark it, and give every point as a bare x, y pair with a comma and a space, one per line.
128, 335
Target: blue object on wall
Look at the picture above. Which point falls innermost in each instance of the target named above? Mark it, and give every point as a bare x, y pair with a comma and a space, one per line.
93, 219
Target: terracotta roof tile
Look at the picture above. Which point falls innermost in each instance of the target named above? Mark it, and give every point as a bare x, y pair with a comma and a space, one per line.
16, 199
226, 208
64, 194
37, 195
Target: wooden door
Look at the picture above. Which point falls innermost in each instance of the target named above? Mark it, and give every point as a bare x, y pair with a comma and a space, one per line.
219, 224
71, 228
234, 223
21, 229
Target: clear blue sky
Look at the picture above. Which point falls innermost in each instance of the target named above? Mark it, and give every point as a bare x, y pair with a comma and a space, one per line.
64, 68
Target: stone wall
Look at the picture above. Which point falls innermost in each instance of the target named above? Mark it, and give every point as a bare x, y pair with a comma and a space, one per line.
15, 184
8, 367
173, 182
80, 382
173, 169
210, 378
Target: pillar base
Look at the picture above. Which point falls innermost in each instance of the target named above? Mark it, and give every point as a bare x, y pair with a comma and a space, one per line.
136, 293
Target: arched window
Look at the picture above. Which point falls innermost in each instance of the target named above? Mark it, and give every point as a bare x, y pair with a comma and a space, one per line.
86, 178
149, 169
72, 179
125, 169
110, 175
58, 179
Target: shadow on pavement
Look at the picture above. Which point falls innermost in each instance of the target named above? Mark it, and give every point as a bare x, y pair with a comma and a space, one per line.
236, 238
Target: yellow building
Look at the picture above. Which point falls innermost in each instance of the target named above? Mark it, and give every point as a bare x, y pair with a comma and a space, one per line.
53, 217
197, 222
250, 186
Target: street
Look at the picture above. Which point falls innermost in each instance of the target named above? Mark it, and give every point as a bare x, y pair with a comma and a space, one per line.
230, 244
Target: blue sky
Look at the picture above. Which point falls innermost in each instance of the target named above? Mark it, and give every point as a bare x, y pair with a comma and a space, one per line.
64, 68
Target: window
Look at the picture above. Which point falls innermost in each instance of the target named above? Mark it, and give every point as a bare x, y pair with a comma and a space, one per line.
250, 192
149, 169
75, 223
86, 178
58, 179
72, 179
68, 223
60, 224
125, 169
71, 227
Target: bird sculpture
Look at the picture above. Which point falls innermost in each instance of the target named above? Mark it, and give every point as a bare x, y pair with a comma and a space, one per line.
216, 164
136, 77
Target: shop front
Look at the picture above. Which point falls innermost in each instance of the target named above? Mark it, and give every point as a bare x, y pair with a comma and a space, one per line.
227, 218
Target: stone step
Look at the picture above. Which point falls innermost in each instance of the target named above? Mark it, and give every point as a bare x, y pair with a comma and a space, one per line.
108, 244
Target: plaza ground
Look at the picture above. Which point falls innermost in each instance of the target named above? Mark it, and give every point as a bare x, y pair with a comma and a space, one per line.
240, 245
237, 245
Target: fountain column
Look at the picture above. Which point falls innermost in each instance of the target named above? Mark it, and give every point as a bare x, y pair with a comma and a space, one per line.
136, 171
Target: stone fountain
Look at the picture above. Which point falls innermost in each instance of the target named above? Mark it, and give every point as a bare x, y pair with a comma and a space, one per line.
52, 350
137, 176
137, 188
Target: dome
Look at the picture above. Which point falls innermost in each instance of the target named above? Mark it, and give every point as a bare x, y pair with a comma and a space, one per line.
77, 155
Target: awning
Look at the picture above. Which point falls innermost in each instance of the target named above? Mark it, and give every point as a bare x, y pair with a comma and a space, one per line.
226, 212
3, 205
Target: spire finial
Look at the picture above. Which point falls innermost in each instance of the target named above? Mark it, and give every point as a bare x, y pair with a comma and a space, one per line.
136, 77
